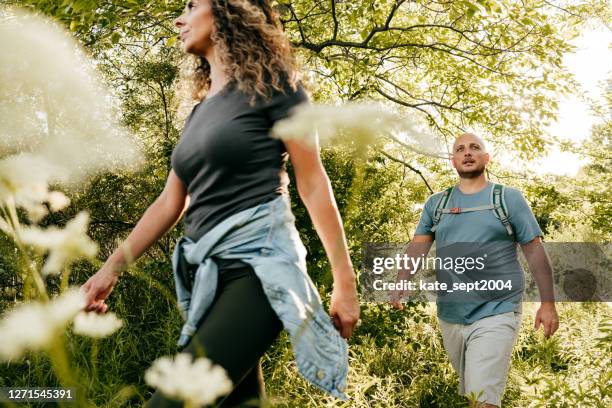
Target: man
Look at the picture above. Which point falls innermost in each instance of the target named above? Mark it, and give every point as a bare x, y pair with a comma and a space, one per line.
479, 328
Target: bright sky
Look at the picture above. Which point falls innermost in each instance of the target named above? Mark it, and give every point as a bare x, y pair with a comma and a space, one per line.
591, 64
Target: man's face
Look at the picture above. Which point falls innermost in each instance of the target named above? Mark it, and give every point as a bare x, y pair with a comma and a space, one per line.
470, 157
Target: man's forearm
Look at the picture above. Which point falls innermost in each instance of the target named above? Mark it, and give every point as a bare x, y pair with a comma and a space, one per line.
414, 250
540, 268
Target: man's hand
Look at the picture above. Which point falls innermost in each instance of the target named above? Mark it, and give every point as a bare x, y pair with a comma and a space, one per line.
419, 246
396, 299
547, 317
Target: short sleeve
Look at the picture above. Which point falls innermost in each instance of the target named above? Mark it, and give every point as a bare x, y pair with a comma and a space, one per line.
279, 107
193, 109
426, 221
521, 217
175, 160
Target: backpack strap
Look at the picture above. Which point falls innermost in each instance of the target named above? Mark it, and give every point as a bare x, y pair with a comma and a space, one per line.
499, 207
457, 210
442, 202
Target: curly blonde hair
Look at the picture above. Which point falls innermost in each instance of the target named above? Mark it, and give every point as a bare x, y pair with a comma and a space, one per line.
252, 46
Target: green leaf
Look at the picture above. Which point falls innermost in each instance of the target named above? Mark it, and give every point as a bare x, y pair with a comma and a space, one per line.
527, 21
471, 8
171, 41
364, 32
115, 38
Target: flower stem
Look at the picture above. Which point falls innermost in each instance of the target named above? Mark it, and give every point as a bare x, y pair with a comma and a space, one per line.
94, 358
10, 215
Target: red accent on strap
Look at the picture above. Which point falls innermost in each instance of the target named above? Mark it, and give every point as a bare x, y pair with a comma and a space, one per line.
455, 210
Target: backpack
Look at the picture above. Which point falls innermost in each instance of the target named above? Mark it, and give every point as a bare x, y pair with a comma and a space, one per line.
498, 205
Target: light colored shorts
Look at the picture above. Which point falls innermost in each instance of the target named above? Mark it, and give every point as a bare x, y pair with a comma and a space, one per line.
480, 354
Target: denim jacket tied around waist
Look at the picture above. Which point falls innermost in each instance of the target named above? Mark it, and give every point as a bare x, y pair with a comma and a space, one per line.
265, 238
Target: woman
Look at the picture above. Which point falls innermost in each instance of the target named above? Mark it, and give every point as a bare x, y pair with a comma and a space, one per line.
240, 269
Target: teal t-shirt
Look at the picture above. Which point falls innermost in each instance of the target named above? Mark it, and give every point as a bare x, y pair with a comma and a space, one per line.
488, 234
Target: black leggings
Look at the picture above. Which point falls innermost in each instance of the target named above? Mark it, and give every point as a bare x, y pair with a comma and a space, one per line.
235, 332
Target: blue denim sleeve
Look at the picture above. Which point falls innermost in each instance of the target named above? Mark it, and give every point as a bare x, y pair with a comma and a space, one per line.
521, 217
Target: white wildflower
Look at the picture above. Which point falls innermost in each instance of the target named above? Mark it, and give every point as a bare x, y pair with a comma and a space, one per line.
61, 113
198, 382
364, 123
23, 180
32, 326
64, 245
57, 124
63, 308
57, 200
5, 227
96, 325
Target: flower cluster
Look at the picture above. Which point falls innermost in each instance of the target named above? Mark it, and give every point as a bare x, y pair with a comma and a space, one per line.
58, 122
58, 127
64, 245
197, 382
363, 123
96, 325
33, 326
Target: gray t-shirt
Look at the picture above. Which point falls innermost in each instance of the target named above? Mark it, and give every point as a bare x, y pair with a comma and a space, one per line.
226, 157
487, 235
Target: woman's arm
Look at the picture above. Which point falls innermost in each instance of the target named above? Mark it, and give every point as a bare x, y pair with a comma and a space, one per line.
160, 217
315, 191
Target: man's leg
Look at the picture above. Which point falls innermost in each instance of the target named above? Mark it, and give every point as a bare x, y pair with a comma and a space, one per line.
488, 351
454, 344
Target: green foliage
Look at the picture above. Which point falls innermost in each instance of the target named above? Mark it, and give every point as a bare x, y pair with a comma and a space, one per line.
492, 65
114, 366
397, 360
102, 23
488, 65
404, 366
378, 206
570, 370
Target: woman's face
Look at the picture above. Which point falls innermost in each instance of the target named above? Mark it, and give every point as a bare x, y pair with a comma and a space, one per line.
196, 25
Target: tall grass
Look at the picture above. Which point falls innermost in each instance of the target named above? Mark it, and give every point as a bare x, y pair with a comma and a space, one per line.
397, 360
396, 357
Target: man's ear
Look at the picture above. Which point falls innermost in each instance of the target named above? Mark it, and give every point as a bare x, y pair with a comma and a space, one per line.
450, 158
487, 158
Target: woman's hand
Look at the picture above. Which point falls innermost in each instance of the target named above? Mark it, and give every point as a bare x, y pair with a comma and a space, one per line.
315, 191
344, 308
98, 288
159, 218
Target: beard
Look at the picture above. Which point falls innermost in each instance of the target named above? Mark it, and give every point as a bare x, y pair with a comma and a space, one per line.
471, 174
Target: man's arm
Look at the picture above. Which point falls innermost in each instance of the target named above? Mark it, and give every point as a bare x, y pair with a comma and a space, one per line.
540, 268
419, 246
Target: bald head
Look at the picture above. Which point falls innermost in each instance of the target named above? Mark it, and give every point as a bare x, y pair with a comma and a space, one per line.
470, 157
466, 138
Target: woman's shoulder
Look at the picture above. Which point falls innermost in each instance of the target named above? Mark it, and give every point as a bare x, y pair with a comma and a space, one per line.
283, 100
